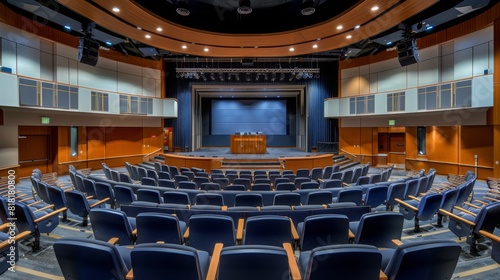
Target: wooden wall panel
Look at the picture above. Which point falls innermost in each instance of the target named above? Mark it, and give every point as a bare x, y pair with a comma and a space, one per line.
63, 146
152, 139
35, 130
442, 143
122, 141
349, 139
96, 142
411, 142
471, 145
441, 167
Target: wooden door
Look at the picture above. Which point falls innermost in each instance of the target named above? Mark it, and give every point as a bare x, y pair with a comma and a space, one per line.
34, 152
397, 148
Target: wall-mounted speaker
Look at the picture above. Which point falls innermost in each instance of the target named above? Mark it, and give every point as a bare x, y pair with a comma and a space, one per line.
407, 52
88, 51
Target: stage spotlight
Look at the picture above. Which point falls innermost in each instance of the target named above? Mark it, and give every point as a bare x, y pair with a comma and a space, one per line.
177, 75
244, 8
282, 76
273, 77
248, 77
308, 7
203, 77
221, 76
182, 9
257, 76
316, 75
237, 76
291, 77
229, 76
265, 76
212, 76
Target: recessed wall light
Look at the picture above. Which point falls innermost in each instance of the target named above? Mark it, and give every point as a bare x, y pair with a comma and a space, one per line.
159, 29
147, 36
374, 8
116, 9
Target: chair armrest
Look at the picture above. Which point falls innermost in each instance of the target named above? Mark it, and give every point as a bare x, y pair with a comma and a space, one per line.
49, 215
474, 205
490, 235
458, 218
239, 230
4, 244
130, 275
99, 202
44, 208
113, 240
36, 202
351, 234
406, 205
414, 197
214, 262
224, 208
292, 263
346, 184
295, 234
464, 210
134, 232
397, 242
26, 199
382, 276
4, 226
186, 234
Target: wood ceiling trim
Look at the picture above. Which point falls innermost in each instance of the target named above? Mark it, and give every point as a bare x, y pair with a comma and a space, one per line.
269, 45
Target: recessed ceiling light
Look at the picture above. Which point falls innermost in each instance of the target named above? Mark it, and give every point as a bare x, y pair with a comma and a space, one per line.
315, 46
374, 8
292, 49
348, 36
116, 9
147, 36
205, 49
67, 27
357, 26
139, 28
109, 43
339, 27
159, 29
184, 46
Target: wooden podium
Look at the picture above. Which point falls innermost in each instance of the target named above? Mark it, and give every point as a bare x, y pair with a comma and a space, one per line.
248, 144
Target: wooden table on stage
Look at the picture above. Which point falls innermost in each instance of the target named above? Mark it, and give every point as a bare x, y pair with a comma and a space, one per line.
247, 144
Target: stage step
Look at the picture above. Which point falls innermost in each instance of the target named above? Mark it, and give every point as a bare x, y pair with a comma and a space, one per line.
239, 164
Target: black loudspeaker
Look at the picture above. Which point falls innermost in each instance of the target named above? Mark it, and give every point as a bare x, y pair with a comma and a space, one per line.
407, 52
88, 51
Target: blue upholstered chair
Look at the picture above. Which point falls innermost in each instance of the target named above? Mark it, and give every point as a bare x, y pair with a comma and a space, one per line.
319, 197
349, 195
205, 230
248, 199
176, 197
109, 223
420, 210
147, 181
91, 259
124, 195
323, 229
345, 261
289, 199
268, 230
209, 199
427, 259
149, 195
80, 206
154, 227
172, 261
375, 196
378, 229
396, 190
105, 190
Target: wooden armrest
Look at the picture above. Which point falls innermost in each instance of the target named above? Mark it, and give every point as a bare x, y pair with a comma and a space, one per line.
295, 234
321, 180
130, 275
89, 197
474, 205
49, 215
99, 202
4, 226
34, 203
491, 199
186, 234
214, 262
224, 208
397, 242
351, 234
464, 210
4, 244
406, 205
346, 184
292, 263
113, 240
44, 208
458, 218
134, 232
490, 235
239, 230
26, 199
414, 197
382, 276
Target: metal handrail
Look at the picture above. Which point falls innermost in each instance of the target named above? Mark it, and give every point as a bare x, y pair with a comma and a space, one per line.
346, 152
155, 151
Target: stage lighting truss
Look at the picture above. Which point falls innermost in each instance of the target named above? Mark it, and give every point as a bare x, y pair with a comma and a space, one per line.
297, 73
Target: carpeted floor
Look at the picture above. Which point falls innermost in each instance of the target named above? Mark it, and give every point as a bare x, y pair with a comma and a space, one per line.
43, 265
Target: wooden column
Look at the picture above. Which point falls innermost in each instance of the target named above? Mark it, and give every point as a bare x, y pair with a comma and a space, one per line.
496, 92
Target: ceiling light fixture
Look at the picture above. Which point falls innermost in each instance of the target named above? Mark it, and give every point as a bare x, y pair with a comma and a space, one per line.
348, 36
147, 36
184, 47
116, 9
374, 8
308, 8
292, 49
315, 46
357, 26
159, 29
244, 8
339, 27
182, 8
205, 49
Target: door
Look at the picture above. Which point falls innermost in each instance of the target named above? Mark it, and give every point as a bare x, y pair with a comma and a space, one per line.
34, 151
397, 149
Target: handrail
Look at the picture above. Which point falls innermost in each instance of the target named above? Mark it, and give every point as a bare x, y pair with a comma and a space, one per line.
155, 151
346, 152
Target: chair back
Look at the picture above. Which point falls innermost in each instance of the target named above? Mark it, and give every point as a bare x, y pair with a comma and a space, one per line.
319, 197
323, 229
109, 223
205, 230
379, 229
267, 230
153, 227
248, 199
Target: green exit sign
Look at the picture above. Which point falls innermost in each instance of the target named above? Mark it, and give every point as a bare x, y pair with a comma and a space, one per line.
45, 120
392, 122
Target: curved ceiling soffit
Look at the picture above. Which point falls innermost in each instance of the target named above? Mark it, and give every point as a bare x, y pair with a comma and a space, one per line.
174, 37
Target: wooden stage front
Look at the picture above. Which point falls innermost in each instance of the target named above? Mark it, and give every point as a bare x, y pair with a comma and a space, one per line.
274, 158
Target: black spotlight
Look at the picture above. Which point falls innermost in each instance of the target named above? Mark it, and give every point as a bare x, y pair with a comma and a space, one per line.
245, 8
182, 8
308, 7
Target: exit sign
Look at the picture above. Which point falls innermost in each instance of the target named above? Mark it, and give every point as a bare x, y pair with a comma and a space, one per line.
45, 120
392, 122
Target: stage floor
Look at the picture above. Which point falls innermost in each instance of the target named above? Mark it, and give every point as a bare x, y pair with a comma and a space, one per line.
271, 153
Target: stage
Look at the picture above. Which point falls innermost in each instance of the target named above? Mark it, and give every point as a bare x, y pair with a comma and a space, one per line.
271, 153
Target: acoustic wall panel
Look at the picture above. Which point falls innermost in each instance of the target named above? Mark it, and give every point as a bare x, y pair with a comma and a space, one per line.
62, 70
374, 83
391, 80
463, 64
381, 103
9, 91
412, 75
96, 77
349, 86
28, 61
448, 68
129, 83
480, 60
46, 66
364, 84
482, 91
428, 72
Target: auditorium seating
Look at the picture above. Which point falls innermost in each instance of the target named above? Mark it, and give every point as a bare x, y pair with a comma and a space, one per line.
157, 227
80, 206
321, 230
